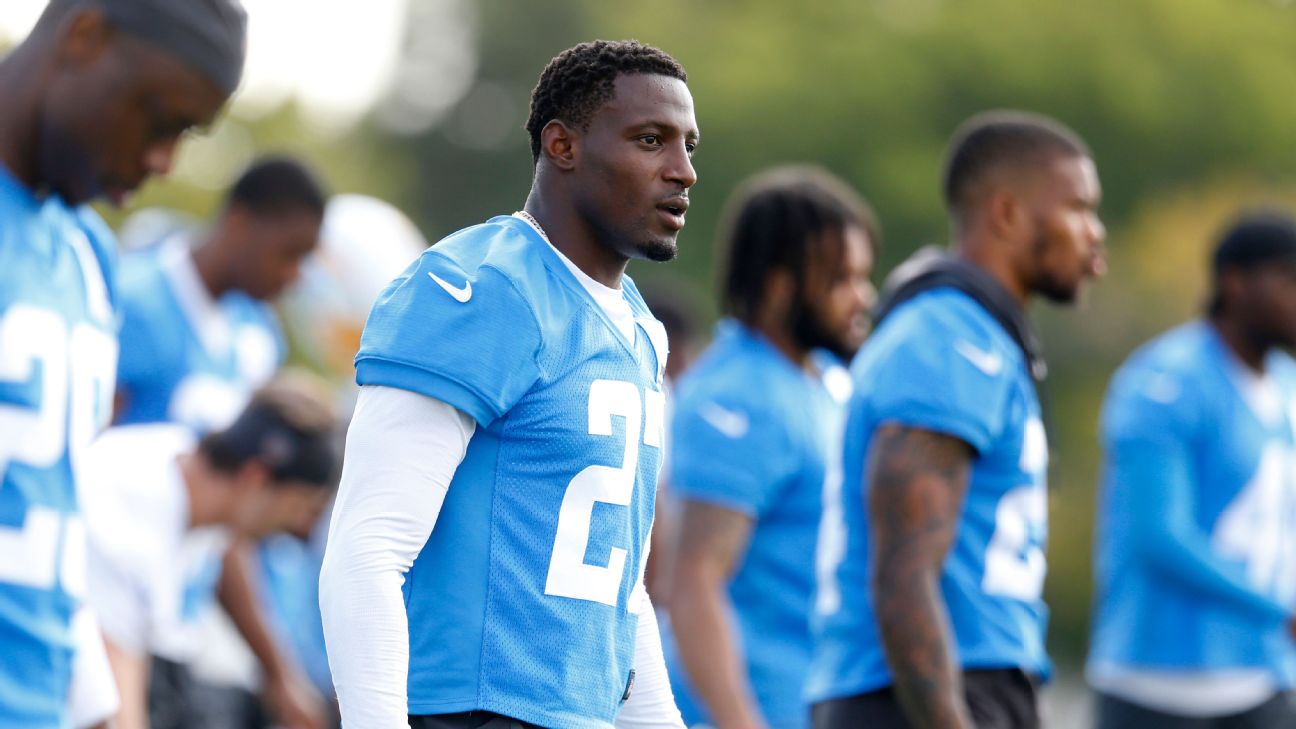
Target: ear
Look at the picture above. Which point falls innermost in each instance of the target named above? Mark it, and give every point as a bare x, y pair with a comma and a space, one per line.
558, 144
253, 475
780, 286
84, 37
1233, 286
1006, 216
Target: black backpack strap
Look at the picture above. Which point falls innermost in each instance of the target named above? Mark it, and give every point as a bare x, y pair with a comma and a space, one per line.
932, 268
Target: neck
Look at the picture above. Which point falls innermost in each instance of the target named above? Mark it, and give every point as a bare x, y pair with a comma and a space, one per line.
575, 237
20, 80
984, 251
773, 326
212, 266
1244, 345
209, 491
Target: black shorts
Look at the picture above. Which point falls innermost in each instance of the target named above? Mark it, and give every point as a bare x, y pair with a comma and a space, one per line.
468, 720
997, 699
1113, 713
179, 700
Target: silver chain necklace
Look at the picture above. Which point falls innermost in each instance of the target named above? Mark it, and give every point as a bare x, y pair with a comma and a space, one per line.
534, 224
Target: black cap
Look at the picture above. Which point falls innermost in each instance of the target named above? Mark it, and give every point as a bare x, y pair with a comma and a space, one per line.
1255, 238
210, 36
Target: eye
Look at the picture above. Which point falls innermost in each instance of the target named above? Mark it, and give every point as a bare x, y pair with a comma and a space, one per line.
651, 140
691, 147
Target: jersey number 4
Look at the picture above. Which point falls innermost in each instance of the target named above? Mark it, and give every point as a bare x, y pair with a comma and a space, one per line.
569, 575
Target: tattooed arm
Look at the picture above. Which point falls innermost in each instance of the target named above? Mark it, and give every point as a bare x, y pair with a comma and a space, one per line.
918, 480
712, 541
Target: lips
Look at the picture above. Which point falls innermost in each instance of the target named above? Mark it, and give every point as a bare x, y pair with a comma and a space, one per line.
673, 209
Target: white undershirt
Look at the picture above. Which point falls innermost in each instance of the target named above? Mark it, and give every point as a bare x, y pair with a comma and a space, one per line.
402, 451
611, 301
1198, 694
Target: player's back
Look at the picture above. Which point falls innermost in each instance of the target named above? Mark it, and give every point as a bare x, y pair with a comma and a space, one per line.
757, 434
941, 362
523, 601
1225, 437
187, 357
57, 356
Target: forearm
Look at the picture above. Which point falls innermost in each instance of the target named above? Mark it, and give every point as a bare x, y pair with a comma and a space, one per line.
701, 621
918, 479
1185, 556
131, 671
401, 455
916, 638
1161, 493
238, 595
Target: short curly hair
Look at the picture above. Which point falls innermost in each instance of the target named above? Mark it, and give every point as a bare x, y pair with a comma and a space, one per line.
582, 78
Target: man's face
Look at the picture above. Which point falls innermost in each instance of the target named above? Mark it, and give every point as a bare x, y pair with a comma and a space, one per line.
113, 114
634, 166
837, 294
272, 248
1269, 302
1066, 248
291, 507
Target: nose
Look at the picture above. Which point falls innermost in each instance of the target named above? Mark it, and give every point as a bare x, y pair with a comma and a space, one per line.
867, 294
680, 170
1097, 230
159, 158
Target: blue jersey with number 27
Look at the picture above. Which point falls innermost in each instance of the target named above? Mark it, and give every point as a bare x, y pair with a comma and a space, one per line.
941, 362
58, 353
523, 601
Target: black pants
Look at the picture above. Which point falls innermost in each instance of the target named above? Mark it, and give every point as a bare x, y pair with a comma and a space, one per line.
1114, 713
177, 700
468, 720
997, 699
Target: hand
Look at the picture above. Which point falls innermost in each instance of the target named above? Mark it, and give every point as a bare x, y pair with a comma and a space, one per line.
294, 702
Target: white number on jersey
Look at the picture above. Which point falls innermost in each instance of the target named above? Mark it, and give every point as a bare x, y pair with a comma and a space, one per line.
1256, 527
35, 343
1014, 561
569, 575
831, 546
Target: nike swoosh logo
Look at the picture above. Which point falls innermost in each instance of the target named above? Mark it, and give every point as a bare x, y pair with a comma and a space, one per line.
730, 423
458, 294
991, 363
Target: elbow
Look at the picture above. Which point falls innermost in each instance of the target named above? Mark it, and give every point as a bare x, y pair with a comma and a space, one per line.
691, 585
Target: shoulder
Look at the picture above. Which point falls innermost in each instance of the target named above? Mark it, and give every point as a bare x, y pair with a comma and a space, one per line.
499, 257
1183, 356
1169, 377
941, 329
945, 313
737, 375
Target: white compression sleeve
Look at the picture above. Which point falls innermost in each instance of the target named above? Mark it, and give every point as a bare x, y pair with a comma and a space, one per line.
402, 451
651, 704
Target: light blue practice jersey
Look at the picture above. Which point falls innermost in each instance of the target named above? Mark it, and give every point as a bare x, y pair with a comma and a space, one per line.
1196, 545
755, 433
524, 601
186, 358
58, 353
940, 362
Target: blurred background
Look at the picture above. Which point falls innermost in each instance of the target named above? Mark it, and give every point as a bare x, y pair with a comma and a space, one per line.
1189, 105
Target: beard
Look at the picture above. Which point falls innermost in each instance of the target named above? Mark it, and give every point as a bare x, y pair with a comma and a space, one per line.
809, 332
659, 250
1049, 283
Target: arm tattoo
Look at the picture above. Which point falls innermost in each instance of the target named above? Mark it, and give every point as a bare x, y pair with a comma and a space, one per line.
917, 482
